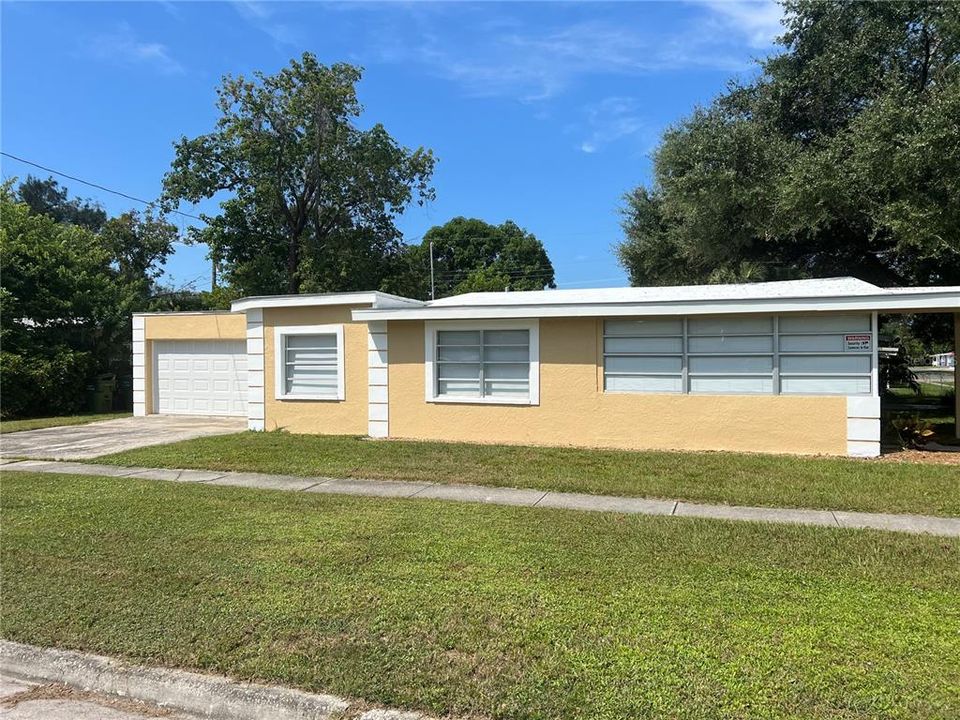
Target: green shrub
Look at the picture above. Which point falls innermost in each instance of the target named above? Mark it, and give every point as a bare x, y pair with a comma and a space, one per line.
50, 384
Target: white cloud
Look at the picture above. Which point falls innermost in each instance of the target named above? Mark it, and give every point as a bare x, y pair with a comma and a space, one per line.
262, 16
501, 57
122, 46
613, 119
756, 20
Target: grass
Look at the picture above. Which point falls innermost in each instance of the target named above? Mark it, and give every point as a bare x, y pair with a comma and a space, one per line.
928, 390
482, 611
741, 479
12, 426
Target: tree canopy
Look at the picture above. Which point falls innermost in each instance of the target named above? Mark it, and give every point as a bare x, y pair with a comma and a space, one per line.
841, 158
471, 255
71, 278
311, 197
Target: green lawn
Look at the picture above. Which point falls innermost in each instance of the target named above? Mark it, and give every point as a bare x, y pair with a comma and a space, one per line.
708, 477
482, 611
12, 426
927, 390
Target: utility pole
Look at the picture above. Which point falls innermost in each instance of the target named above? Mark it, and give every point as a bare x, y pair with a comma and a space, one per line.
432, 290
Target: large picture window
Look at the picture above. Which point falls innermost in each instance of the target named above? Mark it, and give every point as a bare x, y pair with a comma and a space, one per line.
487, 362
788, 354
309, 362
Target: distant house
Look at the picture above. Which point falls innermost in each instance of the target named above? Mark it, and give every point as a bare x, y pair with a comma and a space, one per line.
778, 367
944, 360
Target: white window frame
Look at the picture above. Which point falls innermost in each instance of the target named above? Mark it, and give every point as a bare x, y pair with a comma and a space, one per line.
280, 333
431, 327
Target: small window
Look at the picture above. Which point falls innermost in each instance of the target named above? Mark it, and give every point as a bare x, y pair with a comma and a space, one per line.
493, 363
309, 362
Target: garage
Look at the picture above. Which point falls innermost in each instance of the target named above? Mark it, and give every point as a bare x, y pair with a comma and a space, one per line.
200, 377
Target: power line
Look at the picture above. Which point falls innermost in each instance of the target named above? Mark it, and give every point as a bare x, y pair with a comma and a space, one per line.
148, 203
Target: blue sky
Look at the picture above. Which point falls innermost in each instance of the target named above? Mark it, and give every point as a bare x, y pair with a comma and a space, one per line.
542, 113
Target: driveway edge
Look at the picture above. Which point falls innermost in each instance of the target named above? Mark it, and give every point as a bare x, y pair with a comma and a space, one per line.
207, 696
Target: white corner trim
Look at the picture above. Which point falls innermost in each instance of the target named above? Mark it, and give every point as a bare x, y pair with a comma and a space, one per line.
863, 425
256, 405
139, 367
280, 333
430, 329
378, 375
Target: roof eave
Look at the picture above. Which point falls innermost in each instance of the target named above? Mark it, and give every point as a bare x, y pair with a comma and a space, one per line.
375, 299
937, 301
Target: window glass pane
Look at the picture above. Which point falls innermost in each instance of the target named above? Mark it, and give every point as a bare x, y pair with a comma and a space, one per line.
506, 337
328, 341
458, 337
504, 388
730, 344
643, 345
453, 371
640, 383
811, 343
469, 388
825, 364
825, 385
731, 365
727, 325
657, 326
643, 364
824, 323
459, 353
506, 353
732, 385
507, 371
311, 381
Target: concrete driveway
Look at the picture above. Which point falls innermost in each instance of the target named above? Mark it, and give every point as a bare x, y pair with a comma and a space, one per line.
82, 442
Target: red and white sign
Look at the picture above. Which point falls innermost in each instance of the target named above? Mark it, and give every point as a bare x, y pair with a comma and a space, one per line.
857, 343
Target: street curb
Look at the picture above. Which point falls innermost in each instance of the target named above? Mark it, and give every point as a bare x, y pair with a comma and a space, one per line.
206, 696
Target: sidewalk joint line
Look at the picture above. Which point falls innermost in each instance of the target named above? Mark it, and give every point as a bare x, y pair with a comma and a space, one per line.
540, 498
676, 504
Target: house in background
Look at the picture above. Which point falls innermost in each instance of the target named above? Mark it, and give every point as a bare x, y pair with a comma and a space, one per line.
785, 367
943, 360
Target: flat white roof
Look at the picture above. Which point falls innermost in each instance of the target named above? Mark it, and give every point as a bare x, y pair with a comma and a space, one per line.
674, 293
374, 299
826, 295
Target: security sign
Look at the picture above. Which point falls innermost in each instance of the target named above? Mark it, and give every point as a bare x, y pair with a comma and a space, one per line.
856, 343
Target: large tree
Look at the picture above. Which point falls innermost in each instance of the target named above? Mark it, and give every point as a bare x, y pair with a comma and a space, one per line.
841, 158
470, 255
67, 291
306, 187
47, 197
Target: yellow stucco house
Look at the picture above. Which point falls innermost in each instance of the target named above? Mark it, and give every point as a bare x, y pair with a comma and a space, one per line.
785, 367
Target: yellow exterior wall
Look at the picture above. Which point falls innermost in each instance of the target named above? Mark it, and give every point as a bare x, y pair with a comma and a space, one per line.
330, 417
574, 410
196, 326
187, 326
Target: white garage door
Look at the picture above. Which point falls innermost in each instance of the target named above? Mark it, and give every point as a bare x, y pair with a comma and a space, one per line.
200, 377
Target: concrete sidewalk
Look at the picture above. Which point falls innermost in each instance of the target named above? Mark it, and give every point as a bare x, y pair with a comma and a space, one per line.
918, 524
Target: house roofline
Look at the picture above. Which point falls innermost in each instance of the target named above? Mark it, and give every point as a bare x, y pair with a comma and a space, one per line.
916, 300
375, 299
